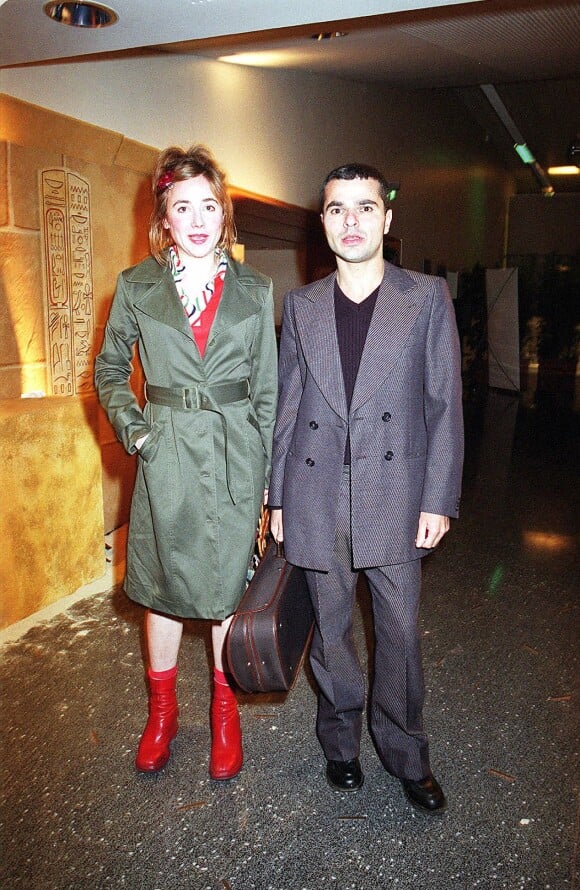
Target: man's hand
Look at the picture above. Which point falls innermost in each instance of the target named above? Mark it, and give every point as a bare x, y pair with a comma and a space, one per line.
276, 526
431, 529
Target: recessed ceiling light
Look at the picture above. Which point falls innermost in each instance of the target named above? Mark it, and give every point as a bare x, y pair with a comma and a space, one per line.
329, 35
81, 15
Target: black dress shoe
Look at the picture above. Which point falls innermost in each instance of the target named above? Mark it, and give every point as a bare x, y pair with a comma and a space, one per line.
425, 795
344, 775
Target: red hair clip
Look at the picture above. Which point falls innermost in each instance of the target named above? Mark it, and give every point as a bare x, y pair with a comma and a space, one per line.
164, 181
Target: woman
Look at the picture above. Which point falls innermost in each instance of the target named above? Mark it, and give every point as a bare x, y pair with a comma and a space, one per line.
204, 325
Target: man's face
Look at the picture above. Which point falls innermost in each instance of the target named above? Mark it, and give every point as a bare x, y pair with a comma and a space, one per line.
355, 219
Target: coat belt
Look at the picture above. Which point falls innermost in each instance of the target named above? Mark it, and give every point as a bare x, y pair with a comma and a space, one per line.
203, 397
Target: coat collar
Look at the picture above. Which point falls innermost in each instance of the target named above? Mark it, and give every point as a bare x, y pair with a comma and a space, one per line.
161, 301
399, 302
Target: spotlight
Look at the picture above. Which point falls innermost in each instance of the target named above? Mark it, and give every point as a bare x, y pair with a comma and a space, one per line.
328, 35
81, 15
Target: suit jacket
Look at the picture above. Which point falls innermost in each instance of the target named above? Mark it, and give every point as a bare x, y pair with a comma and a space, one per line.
405, 421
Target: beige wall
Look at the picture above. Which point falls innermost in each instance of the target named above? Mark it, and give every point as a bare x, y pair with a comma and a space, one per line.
51, 522
278, 133
286, 268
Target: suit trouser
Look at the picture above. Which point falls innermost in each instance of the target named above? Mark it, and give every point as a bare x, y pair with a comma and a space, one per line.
397, 694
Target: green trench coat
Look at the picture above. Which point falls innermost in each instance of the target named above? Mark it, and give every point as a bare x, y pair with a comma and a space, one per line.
202, 470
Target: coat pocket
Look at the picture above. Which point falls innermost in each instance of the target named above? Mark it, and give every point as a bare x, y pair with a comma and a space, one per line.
150, 446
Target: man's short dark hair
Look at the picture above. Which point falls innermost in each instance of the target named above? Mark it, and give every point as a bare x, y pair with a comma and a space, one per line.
357, 171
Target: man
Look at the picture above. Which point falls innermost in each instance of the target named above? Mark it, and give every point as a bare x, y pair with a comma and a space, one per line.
367, 462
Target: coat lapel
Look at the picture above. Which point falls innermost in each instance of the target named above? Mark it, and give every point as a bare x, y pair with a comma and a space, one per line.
398, 305
316, 328
237, 302
160, 300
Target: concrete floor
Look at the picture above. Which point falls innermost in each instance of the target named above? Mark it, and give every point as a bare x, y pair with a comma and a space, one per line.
500, 637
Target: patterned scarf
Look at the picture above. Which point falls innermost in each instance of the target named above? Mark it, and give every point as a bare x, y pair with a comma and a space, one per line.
195, 306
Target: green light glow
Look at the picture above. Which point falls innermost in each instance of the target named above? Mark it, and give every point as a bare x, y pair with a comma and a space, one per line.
495, 580
524, 153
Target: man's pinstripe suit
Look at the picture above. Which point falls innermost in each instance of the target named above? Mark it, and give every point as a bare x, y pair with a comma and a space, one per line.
406, 442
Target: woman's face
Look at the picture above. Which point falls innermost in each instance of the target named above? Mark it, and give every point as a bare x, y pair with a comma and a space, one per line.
194, 217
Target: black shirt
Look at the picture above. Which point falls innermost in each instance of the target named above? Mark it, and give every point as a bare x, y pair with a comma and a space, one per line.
352, 325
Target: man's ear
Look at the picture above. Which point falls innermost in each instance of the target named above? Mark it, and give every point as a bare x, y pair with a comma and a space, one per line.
388, 218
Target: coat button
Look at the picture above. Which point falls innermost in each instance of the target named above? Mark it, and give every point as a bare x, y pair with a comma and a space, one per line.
309, 462
313, 425
386, 416
389, 455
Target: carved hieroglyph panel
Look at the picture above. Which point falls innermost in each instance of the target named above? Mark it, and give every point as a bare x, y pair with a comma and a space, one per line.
68, 279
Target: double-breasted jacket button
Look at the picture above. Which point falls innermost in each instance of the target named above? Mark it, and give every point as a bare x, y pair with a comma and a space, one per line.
309, 462
313, 425
386, 416
389, 455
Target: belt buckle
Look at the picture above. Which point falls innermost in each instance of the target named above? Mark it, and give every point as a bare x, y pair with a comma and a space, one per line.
191, 398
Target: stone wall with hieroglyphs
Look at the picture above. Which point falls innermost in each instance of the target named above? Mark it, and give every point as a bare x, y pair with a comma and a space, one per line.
63, 243
74, 207
68, 280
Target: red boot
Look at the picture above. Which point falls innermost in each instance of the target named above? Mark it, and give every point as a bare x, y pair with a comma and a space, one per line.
153, 752
226, 735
